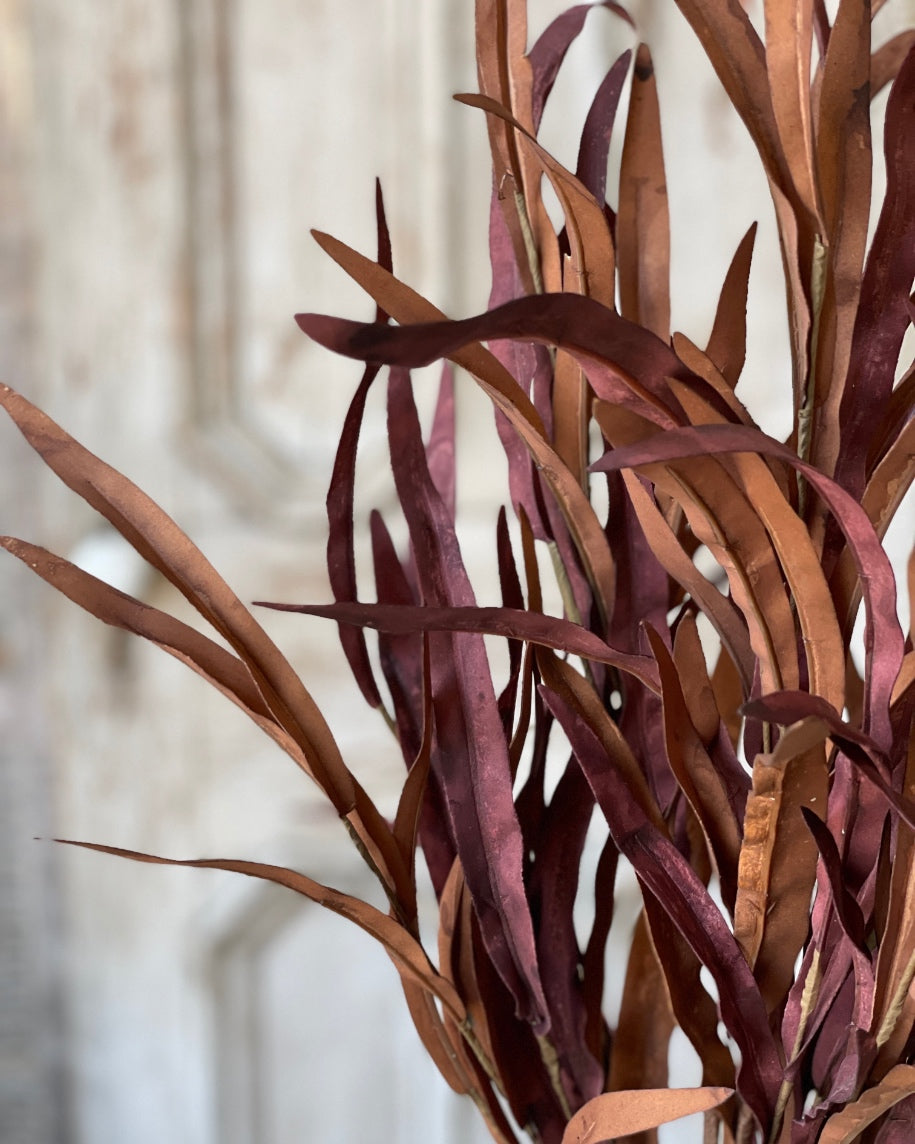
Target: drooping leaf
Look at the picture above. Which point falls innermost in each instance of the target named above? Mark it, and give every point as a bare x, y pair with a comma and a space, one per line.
546, 631
622, 1113
847, 1125
157, 538
404, 950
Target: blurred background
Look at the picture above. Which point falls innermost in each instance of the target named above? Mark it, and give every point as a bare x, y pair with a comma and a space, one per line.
161, 165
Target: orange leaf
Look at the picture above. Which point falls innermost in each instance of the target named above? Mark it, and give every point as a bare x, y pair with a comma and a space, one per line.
635, 1110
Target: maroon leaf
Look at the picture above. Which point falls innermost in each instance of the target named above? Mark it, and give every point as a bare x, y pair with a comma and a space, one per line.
587, 330
547, 54
883, 309
553, 884
847, 909
666, 875
471, 759
594, 148
547, 631
341, 557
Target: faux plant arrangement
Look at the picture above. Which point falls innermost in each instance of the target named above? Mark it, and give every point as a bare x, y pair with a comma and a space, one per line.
764, 796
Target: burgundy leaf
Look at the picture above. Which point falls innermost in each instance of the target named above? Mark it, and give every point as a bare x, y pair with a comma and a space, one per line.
594, 148
883, 310
553, 885
586, 329
666, 875
547, 54
341, 556
847, 909
547, 631
440, 453
471, 758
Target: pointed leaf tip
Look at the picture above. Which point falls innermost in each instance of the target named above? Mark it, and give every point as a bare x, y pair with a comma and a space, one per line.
638, 1110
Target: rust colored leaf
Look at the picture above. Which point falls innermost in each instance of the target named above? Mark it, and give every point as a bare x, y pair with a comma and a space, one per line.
404, 950
712, 795
720, 610
703, 366
727, 345
434, 1036
739, 58
789, 40
846, 1126
157, 538
895, 964
501, 38
646, 1022
777, 866
723, 518
643, 219
622, 1113
203, 655
593, 254
800, 562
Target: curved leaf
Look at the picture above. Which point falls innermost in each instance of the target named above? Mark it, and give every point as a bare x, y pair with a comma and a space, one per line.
623, 1113
533, 627
404, 950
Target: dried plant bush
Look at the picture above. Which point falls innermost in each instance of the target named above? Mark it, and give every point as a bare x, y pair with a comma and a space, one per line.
779, 776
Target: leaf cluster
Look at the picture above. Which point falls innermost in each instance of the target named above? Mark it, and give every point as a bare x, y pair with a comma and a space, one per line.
761, 789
